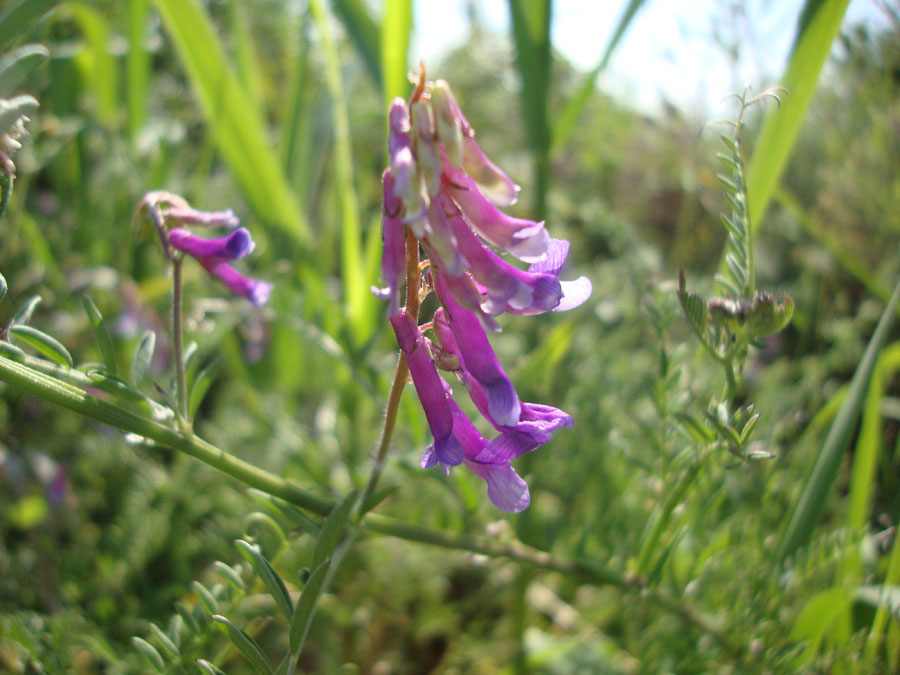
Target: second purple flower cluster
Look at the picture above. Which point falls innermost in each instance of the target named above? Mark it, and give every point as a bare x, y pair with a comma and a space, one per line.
443, 189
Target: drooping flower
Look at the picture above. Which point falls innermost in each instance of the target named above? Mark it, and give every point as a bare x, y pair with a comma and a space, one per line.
442, 193
170, 212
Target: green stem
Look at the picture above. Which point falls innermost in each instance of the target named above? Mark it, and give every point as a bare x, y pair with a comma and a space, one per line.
177, 342
71, 397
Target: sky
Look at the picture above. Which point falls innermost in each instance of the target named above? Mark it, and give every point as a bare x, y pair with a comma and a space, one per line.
669, 52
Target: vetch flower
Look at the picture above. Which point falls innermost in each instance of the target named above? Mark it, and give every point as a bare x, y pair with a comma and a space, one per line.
441, 194
170, 212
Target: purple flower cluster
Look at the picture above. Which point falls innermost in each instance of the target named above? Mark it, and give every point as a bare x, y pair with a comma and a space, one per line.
214, 254
441, 188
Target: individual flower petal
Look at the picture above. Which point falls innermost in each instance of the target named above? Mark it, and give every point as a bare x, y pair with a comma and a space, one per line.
191, 216
440, 240
494, 183
232, 246
448, 121
557, 296
506, 489
393, 233
431, 390
525, 239
478, 358
410, 189
254, 290
428, 157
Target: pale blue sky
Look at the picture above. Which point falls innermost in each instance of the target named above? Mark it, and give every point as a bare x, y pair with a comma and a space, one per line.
669, 51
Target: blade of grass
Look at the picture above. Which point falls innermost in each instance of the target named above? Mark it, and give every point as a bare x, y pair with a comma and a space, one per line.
363, 31
818, 485
238, 127
137, 66
96, 62
531, 32
569, 116
395, 35
359, 302
819, 24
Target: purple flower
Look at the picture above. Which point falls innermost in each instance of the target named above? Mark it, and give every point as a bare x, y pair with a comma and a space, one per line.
170, 211
257, 292
446, 191
432, 391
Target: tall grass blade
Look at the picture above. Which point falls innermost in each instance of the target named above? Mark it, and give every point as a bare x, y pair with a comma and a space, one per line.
359, 303
818, 485
817, 28
569, 116
531, 32
137, 67
97, 62
239, 128
395, 35
364, 32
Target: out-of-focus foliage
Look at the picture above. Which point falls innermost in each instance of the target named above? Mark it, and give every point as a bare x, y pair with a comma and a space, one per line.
101, 538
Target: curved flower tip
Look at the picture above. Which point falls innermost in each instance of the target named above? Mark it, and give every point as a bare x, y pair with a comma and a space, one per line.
257, 292
494, 183
231, 247
573, 292
506, 489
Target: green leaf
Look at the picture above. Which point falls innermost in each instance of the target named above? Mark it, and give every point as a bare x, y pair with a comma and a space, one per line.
246, 644
395, 35
701, 433
569, 117
208, 599
209, 667
200, 385
143, 355
23, 316
3, 287
150, 652
164, 640
16, 66
364, 33
269, 576
360, 304
332, 528
376, 498
306, 606
20, 17
824, 613
809, 506
818, 26
97, 64
239, 129
531, 31
10, 351
101, 333
230, 574
187, 615
45, 344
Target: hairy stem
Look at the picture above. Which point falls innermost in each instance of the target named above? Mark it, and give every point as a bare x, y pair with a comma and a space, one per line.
177, 341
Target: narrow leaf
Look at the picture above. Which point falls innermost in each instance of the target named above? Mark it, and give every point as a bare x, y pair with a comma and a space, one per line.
364, 33
209, 667
19, 17
395, 34
208, 599
230, 574
269, 576
239, 129
246, 644
306, 606
16, 66
3, 287
818, 485
819, 25
45, 344
376, 498
150, 652
164, 640
101, 333
330, 534
23, 316
143, 355
10, 351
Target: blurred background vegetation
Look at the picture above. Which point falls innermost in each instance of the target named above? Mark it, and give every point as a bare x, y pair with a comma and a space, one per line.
277, 110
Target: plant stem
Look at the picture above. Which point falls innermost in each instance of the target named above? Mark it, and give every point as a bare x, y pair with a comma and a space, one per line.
413, 277
61, 393
177, 343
